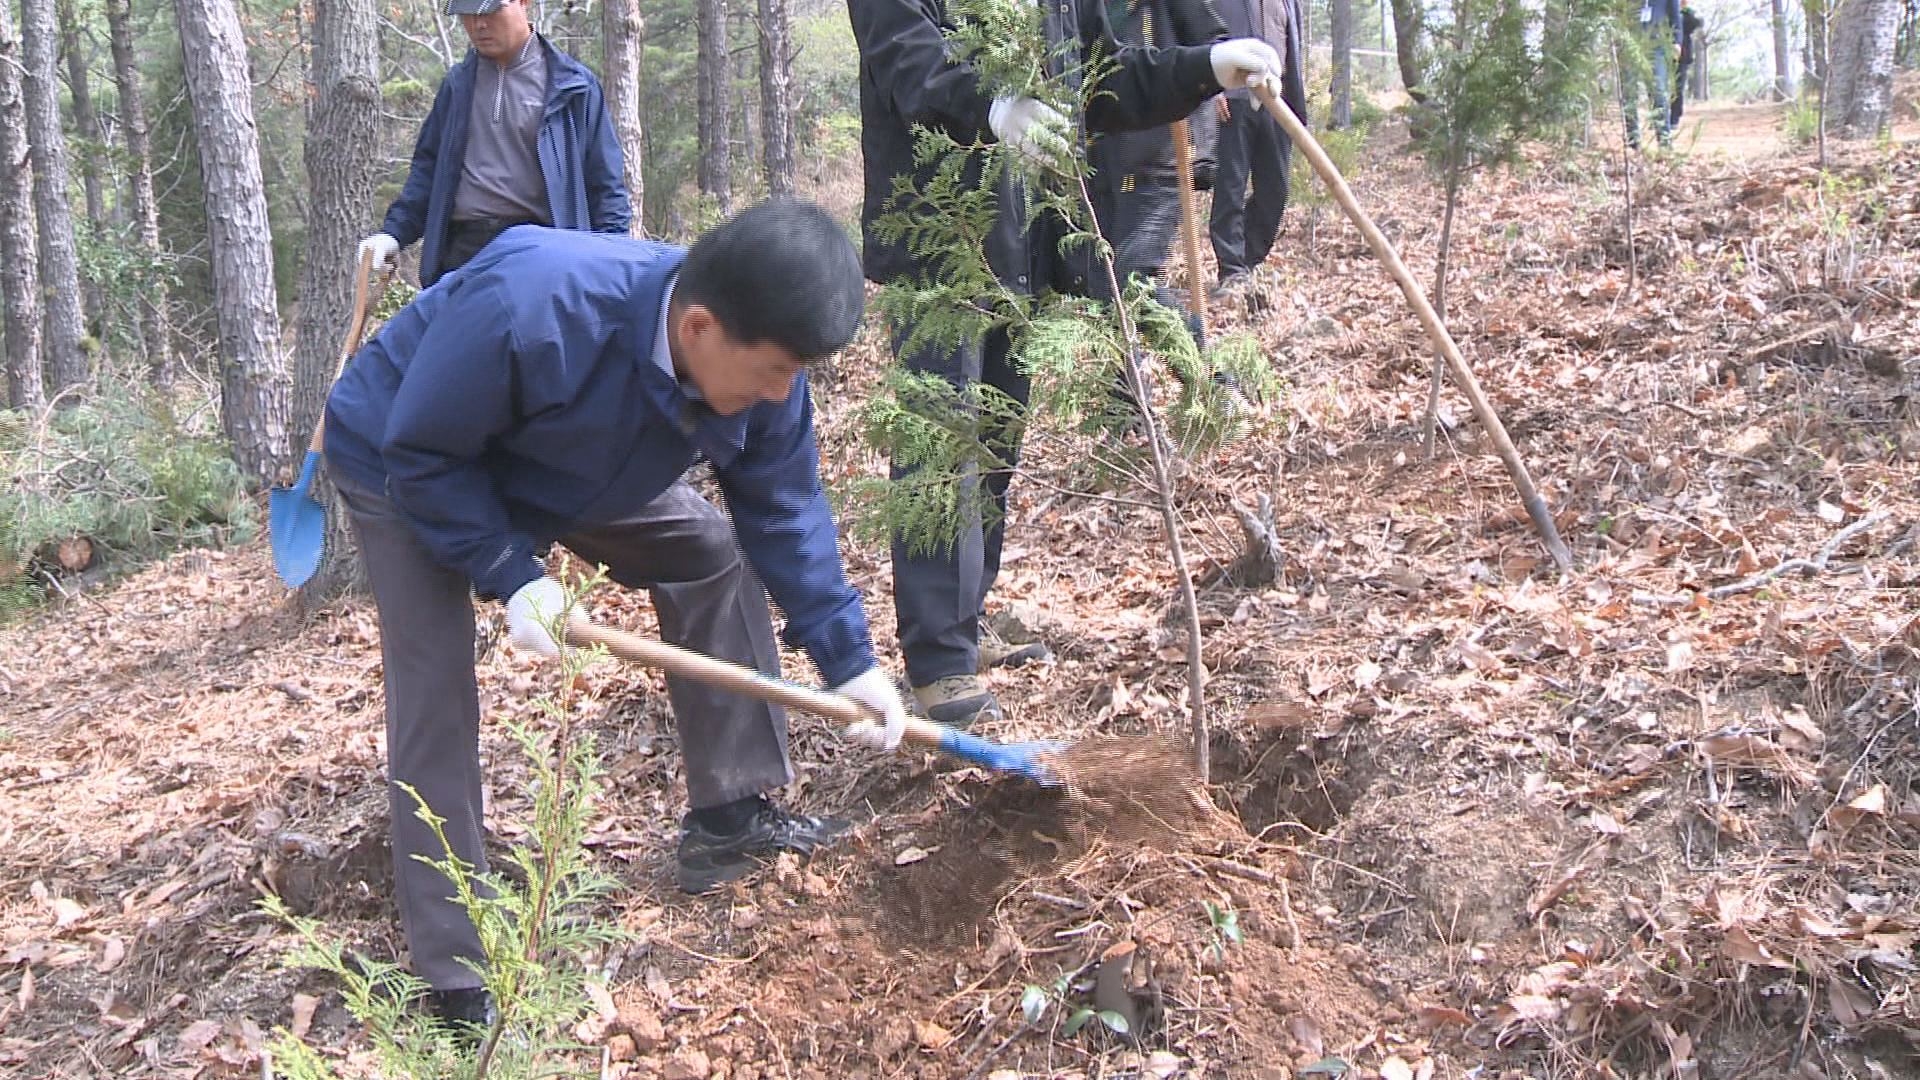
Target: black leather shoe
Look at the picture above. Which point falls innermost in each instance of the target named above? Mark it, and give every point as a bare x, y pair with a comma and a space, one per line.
708, 859
465, 1014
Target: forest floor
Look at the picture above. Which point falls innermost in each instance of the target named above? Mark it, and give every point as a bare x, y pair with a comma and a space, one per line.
1655, 818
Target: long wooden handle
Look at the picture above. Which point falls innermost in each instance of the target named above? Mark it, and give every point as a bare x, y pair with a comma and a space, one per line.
349, 345
742, 680
1189, 219
1429, 320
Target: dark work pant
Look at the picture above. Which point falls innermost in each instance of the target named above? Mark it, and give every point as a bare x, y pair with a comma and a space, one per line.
1253, 151
1141, 224
466, 238
938, 596
1677, 104
682, 549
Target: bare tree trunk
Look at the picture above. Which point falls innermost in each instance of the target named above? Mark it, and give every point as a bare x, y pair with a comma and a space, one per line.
621, 26
1429, 436
1819, 49
342, 144
1782, 51
19, 241
715, 114
156, 330
776, 95
1340, 26
1858, 93
1702, 86
1409, 17
59, 262
253, 384
86, 123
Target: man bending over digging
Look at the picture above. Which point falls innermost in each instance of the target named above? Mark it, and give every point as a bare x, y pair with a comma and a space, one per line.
556, 388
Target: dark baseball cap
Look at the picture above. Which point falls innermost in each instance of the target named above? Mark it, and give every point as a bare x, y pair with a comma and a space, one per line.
473, 7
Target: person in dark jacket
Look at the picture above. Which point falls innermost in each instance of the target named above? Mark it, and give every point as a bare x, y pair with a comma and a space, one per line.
556, 388
519, 134
906, 78
1689, 29
1250, 184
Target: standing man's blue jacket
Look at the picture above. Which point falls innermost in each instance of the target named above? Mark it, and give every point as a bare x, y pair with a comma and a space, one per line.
579, 159
520, 399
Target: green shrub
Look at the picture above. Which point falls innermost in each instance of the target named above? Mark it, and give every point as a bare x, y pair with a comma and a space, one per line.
118, 471
1801, 125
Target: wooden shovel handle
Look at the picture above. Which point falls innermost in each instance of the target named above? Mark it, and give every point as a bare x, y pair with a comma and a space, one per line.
1189, 219
1436, 330
742, 680
350, 344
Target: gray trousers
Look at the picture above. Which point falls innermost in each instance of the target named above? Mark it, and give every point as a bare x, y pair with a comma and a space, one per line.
679, 547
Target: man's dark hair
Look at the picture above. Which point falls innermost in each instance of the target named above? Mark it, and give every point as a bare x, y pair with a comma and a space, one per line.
781, 271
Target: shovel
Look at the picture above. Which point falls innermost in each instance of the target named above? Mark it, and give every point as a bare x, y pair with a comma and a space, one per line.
296, 520
1028, 759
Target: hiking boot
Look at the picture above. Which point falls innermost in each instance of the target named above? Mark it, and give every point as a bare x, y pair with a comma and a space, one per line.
996, 651
708, 859
464, 1014
1230, 284
957, 701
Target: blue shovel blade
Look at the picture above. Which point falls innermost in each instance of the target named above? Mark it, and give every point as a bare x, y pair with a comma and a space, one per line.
1027, 759
298, 524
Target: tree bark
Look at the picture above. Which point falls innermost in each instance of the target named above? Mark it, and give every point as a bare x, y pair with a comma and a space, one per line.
342, 144
253, 367
1340, 26
156, 330
621, 27
1409, 18
1782, 53
1859, 84
776, 95
67, 361
86, 124
19, 240
715, 114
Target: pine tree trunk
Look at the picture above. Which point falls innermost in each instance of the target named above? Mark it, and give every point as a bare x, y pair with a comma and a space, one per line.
342, 155
59, 262
1408, 19
716, 165
156, 330
86, 124
1782, 53
776, 94
1340, 26
253, 383
1859, 85
621, 25
19, 240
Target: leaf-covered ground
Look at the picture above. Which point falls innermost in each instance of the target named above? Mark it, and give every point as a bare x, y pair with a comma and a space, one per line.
1657, 818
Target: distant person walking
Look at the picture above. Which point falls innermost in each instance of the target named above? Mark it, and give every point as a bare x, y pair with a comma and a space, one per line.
1659, 27
1689, 29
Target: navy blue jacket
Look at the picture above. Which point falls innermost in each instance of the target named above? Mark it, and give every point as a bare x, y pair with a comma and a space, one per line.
519, 400
578, 151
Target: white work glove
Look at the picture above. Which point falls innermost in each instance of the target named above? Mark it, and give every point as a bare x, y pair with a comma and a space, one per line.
1243, 63
529, 611
382, 247
875, 690
1033, 129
